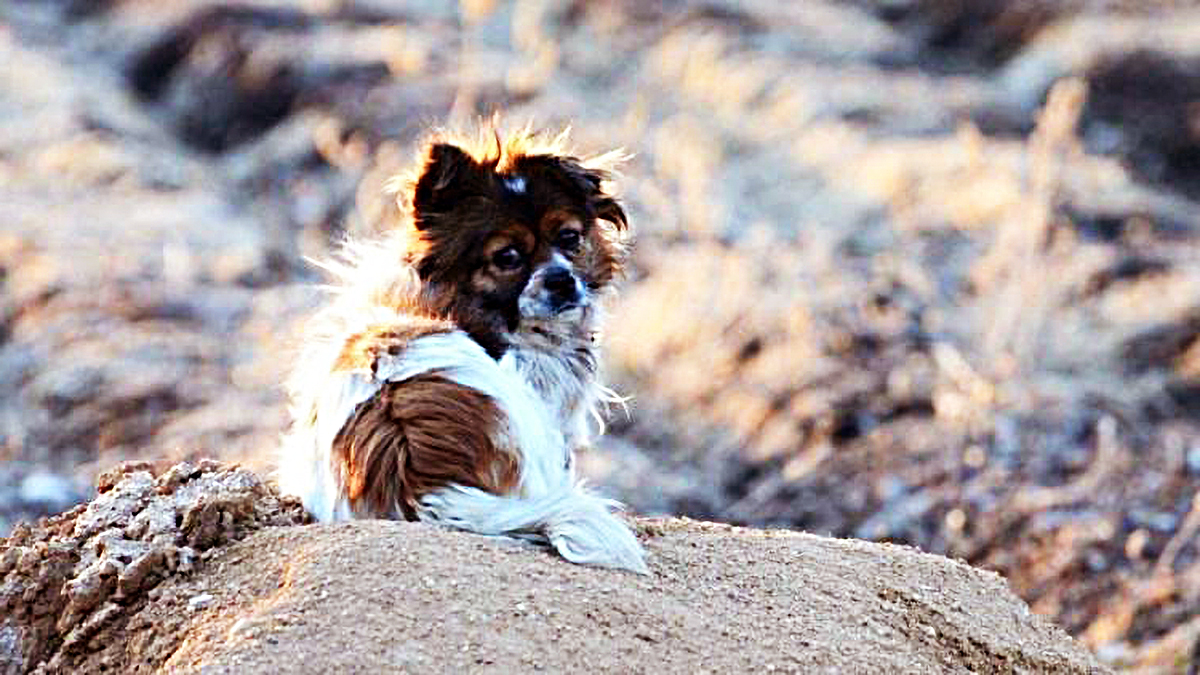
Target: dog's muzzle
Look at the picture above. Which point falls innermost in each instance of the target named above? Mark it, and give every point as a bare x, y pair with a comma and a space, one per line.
552, 291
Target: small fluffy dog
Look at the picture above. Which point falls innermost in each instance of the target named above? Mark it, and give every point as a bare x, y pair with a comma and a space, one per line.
454, 372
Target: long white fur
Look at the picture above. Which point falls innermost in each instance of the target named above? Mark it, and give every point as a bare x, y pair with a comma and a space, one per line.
579, 525
551, 503
565, 387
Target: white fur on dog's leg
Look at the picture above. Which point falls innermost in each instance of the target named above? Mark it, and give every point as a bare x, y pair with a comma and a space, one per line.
579, 525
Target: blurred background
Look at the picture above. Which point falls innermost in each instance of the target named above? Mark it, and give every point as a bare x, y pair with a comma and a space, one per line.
920, 271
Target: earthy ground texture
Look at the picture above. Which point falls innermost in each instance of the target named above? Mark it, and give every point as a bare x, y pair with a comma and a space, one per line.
205, 569
919, 271
75, 584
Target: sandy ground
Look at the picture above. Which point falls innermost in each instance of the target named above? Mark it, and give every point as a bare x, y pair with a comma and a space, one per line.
226, 587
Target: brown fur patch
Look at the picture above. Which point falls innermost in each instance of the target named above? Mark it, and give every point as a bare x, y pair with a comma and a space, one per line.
418, 435
603, 254
361, 350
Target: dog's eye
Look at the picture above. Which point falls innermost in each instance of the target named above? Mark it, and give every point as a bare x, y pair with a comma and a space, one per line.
567, 240
508, 258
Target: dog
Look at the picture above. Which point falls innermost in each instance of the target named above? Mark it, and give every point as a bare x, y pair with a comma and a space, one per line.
453, 373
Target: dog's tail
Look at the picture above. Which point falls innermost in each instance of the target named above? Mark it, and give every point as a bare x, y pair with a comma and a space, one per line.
581, 526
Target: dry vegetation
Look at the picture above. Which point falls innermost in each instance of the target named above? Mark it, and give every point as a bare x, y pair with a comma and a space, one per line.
918, 270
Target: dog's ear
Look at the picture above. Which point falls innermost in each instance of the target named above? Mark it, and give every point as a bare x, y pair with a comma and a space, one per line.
590, 182
609, 209
445, 176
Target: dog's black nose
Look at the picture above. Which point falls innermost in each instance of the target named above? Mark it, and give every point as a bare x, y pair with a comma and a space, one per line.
561, 285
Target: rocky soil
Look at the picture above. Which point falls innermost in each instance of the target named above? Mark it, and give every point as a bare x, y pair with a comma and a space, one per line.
914, 271
204, 569
75, 585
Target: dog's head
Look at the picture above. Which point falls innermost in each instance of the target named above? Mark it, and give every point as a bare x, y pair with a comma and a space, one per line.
514, 239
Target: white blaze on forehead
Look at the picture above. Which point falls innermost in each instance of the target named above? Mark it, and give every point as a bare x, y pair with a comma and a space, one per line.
515, 184
560, 260
556, 260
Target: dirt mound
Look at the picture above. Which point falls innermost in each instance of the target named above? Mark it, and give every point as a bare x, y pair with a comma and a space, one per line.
183, 571
75, 583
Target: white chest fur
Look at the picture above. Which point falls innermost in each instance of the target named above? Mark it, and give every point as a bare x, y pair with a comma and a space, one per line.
564, 376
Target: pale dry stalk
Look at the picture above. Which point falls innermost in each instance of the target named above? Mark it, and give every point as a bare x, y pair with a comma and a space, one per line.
1019, 271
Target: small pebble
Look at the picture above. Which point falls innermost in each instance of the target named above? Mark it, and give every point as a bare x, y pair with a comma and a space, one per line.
200, 601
